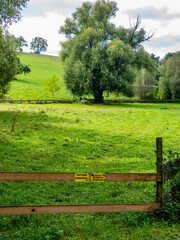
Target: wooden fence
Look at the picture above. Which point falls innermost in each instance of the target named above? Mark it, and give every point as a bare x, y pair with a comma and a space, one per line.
89, 177
88, 101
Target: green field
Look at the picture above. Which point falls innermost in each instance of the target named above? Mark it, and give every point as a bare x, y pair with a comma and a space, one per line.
30, 86
84, 138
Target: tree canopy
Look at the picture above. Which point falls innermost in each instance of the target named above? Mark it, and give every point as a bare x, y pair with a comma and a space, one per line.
8, 60
10, 11
21, 42
99, 56
39, 45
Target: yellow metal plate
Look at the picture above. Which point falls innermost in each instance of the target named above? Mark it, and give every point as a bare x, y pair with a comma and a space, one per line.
81, 177
97, 177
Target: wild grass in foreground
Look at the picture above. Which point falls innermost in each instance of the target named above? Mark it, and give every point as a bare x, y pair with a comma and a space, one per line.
84, 138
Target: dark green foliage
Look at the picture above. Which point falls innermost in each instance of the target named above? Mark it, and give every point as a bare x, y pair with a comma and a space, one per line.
10, 10
170, 80
157, 61
22, 68
21, 42
8, 60
171, 206
99, 56
39, 45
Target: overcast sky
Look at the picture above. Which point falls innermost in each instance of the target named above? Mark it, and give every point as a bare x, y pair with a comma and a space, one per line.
42, 18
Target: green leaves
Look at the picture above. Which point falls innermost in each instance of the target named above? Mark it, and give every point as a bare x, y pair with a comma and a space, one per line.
170, 80
51, 85
39, 45
10, 11
98, 56
8, 60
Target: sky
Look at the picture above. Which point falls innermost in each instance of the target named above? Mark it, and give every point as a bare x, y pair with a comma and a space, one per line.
43, 18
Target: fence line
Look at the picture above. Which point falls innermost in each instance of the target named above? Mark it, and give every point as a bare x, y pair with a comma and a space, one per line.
89, 177
91, 208
109, 177
74, 101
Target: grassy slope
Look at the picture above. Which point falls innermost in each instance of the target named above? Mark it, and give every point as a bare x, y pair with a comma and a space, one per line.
30, 86
81, 138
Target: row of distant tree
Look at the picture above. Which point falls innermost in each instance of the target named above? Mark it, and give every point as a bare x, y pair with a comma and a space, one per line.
37, 44
165, 84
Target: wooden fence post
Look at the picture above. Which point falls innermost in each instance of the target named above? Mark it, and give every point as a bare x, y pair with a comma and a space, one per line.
159, 169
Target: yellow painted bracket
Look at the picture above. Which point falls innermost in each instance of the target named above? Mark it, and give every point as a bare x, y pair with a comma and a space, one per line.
81, 177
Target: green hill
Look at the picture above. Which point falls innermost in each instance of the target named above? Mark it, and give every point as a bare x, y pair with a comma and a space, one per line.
30, 86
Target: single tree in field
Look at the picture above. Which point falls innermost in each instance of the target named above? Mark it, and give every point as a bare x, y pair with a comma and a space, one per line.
10, 10
21, 42
51, 85
39, 45
98, 56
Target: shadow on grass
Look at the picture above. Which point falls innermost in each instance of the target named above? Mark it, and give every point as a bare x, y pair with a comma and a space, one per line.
156, 106
27, 82
44, 143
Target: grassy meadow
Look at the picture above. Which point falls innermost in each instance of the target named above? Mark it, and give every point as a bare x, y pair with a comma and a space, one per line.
30, 86
84, 138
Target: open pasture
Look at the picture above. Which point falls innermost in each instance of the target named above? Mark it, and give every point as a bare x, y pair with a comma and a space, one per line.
84, 138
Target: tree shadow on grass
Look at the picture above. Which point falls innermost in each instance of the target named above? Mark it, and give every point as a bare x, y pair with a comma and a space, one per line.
153, 106
27, 82
59, 144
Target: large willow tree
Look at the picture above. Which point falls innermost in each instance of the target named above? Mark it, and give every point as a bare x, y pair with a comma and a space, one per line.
99, 56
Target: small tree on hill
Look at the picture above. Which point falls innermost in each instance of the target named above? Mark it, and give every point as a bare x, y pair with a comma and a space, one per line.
39, 45
51, 85
21, 42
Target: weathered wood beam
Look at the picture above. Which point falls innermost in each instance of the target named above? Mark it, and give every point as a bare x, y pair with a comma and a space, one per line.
93, 208
115, 177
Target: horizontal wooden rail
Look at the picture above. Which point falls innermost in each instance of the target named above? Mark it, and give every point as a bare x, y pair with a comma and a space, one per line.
93, 208
90, 100
114, 177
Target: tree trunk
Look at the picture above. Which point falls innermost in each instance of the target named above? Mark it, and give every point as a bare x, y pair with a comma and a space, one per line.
98, 96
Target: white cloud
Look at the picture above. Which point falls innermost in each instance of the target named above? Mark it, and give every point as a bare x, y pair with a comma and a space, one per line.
46, 28
42, 18
43, 7
151, 12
